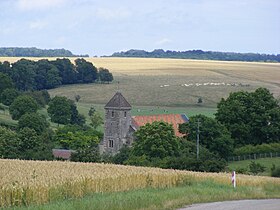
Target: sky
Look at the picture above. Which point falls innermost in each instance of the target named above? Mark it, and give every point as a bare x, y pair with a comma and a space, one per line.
102, 27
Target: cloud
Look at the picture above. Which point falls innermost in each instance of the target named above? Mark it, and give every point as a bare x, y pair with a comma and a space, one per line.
38, 24
163, 41
111, 14
27, 5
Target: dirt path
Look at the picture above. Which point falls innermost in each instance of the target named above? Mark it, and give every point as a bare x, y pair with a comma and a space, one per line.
269, 204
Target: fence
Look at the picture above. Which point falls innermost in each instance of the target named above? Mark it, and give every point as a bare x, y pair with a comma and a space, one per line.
254, 156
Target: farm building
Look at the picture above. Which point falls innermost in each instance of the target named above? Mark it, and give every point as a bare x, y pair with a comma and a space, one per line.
119, 125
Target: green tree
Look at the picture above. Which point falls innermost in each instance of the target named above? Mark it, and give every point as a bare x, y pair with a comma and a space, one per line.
8, 96
256, 168
66, 70
60, 110
33, 121
87, 72
23, 74
105, 75
252, 118
156, 140
9, 142
22, 105
96, 120
5, 82
213, 135
76, 117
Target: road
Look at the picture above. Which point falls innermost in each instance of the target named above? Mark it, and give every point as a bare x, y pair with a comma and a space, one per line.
269, 204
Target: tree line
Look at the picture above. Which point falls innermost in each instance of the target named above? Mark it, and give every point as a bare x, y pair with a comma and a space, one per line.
35, 52
200, 55
27, 75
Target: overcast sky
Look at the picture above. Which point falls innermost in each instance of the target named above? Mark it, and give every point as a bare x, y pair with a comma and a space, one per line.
101, 27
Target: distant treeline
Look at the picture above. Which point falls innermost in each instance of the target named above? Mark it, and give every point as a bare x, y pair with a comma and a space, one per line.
28, 75
200, 55
35, 52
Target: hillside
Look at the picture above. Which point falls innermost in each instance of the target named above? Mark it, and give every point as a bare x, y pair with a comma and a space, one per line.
200, 55
35, 52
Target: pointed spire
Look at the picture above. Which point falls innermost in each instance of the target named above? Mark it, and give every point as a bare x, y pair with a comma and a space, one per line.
118, 101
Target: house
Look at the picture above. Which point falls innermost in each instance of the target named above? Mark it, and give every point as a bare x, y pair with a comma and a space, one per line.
119, 125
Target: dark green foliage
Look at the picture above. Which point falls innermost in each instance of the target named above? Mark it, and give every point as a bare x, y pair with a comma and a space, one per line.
8, 96
5, 82
33, 121
199, 54
9, 142
213, 135
42, 97
60, 110
255, 149
275, 171
256, 168
96, 120
23, 74
22, 105
156, 140
91, 111
252, 118
87, 73
35, 52
122, 156
5, 67
66, 70
76, 117
105, 76
88, 153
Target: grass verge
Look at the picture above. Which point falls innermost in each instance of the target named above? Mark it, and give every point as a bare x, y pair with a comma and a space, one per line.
167, 198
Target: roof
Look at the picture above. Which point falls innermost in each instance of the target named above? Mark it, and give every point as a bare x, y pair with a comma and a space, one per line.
118, 101
62, 153
174, 119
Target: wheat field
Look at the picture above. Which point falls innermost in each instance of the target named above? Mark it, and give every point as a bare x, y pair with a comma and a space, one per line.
37, 182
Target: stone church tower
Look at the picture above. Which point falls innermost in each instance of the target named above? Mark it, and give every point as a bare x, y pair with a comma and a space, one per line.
117, 124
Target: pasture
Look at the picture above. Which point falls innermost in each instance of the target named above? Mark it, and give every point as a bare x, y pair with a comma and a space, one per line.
177, 83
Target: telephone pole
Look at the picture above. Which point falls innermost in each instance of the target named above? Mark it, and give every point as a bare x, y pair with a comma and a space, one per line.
197, 139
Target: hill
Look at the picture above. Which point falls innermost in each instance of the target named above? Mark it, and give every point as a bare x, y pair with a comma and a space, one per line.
35, 52
200, 55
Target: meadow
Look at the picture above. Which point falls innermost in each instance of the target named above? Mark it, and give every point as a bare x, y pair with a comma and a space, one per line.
25, 183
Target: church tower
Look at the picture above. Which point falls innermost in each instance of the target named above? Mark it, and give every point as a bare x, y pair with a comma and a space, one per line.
117, 124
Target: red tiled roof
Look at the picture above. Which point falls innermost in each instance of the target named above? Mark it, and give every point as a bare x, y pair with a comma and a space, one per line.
174, 119
62, 153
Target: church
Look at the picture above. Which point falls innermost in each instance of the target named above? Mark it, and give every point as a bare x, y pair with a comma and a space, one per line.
120, 125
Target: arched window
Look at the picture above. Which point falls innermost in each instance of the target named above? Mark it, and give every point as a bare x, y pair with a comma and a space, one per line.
113, 113
111, 143
124, 114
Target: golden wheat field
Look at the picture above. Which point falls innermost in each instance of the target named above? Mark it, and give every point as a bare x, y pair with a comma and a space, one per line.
36, 182
173, 82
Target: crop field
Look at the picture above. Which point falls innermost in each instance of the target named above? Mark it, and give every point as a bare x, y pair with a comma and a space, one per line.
38, 182
173, 82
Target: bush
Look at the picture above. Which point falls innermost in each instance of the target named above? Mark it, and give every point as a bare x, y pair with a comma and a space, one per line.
275, 172
262, 148
256, 168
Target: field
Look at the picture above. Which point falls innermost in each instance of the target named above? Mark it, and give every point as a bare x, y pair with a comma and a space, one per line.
25, 183
267, 162
173, 82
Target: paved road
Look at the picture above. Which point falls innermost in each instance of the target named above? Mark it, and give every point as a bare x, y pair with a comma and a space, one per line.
269, 204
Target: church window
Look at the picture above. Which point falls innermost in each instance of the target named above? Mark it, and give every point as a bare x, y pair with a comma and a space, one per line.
124, 114
111, 143
113, 113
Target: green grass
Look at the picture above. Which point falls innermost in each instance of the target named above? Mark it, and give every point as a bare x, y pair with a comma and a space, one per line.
267, 162
168, 198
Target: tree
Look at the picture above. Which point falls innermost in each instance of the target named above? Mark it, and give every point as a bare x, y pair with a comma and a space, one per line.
156, 140
105, 75
66, 70
22, 105
33, 121
91, 111
23, 74
96, 120
77, 98
42, 97
252, 118
9, 142
76, 117
5, 82
60, 110
213, 135
87, 73
8, 96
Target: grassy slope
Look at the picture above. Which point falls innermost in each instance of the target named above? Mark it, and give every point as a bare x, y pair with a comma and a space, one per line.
267, 162
169, 198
